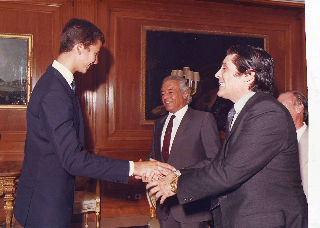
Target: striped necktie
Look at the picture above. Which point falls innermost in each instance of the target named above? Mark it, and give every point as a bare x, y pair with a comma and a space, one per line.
73, 86
231, 114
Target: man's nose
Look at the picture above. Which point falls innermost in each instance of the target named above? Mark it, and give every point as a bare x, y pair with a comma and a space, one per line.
217, 75
165, 96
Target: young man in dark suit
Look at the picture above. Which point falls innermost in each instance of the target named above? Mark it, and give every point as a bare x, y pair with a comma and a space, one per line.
194, 138
257, 176
55, 137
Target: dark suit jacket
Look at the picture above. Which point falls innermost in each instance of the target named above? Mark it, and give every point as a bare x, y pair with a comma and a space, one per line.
257, 175
197, 140
54, 155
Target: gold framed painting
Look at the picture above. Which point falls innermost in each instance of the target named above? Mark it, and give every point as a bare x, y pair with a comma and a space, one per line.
15, 70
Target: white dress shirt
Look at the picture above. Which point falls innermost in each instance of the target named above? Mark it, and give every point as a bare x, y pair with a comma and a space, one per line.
300, 131
64, 71
176, 123
238, 106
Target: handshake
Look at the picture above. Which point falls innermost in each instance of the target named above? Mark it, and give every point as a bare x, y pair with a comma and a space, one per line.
161, 178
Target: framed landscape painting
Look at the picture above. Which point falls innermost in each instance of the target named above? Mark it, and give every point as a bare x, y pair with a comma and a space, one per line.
15, 70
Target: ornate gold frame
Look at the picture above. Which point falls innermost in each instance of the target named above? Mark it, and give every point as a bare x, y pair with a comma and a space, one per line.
29, 59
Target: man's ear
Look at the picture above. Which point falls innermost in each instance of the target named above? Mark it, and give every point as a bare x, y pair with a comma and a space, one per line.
299, 108
185, 94
79, 48
249, 77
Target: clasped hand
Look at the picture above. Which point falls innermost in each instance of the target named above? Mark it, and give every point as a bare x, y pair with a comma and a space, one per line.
151, 170
158, 175
160, 187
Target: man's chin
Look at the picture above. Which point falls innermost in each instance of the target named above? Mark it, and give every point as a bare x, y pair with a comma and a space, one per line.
223, 95
84, 71
220, 93
168, 108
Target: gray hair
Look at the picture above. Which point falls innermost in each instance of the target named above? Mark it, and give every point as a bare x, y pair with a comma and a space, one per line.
301, 99
182, 84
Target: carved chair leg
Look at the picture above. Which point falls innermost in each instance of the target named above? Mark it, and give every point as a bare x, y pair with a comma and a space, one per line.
97, 219
8, 207
9, 197
86, 220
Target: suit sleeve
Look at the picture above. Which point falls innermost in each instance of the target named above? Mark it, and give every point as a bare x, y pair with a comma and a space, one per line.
259, 139
58, 113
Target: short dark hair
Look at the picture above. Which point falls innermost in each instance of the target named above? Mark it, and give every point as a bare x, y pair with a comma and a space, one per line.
301, 99
249, 58
79, 31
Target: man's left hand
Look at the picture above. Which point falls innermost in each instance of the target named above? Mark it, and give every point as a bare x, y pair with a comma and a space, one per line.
161, 188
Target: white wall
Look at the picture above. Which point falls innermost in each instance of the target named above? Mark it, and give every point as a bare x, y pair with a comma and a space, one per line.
313, 65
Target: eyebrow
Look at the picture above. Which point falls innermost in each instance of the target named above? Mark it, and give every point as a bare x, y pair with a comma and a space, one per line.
170, 89
224, 64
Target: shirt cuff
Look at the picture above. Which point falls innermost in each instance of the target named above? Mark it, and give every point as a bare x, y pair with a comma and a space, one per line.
131, 168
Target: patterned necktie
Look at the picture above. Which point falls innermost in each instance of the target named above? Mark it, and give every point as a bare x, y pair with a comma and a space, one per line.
231, 114
166, 139
73, 86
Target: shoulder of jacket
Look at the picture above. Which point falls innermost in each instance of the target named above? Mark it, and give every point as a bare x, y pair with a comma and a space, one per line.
263, 100
197, 112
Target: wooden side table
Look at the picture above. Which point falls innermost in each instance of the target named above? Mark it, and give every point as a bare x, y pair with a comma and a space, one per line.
9, 174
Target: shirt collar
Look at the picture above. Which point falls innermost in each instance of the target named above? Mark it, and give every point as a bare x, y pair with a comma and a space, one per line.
179, 114
238, 106
64, 71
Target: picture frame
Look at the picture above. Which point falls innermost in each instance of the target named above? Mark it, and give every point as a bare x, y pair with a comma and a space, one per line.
165, 49
16, 52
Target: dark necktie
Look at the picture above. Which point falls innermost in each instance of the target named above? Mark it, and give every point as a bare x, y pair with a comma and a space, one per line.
231, 114
166, 139
73, 86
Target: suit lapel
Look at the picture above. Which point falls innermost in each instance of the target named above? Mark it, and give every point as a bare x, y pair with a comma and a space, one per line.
239, 119
158, 137
183, 124
183, 127
77, 117
244, 110
63, 81
75, 102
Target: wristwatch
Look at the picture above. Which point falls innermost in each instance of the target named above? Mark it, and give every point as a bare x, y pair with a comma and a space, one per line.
174, 184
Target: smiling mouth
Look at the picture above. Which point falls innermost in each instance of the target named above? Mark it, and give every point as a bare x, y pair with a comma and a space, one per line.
221, 84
